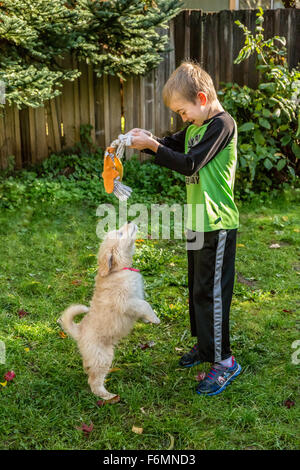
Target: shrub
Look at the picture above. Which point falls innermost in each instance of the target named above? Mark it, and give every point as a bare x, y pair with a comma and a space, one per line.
268, 125
77, 176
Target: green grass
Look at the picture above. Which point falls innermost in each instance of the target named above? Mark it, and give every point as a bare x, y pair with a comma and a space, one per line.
45, 249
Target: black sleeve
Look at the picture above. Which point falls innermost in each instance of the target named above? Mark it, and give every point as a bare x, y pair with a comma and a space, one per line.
216, 137
174, 142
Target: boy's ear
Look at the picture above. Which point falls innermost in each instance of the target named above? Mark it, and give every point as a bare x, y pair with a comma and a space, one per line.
203, 98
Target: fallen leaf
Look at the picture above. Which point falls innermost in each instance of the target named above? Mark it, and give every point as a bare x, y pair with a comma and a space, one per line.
200, 376
85, 428
137, 430
143, 411
287, 311
77, 282
3, 383
9, 376
178, 349
289, 403
274, 245
114, 369
171, 446
150, 344
62, 334
139, 240
240, 244
101, 403
22, 313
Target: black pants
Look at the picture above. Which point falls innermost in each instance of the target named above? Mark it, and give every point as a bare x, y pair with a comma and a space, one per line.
211, 271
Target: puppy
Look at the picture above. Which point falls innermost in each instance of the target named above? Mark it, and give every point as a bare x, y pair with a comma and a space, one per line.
118, 302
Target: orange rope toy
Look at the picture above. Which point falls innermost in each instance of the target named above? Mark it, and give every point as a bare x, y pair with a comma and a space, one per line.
113, 169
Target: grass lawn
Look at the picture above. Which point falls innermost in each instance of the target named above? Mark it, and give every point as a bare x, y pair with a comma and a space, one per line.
48, 262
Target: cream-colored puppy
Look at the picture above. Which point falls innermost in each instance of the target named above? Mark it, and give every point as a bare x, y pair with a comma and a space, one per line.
118, 301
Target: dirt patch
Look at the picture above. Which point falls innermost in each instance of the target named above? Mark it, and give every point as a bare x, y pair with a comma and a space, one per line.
251, 282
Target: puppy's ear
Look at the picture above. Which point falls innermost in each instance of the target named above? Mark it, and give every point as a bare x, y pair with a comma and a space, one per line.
105, 263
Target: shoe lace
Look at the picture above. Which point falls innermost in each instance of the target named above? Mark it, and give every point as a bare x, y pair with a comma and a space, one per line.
215, 369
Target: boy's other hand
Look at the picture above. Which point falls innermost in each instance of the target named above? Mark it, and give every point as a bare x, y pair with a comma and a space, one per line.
141, 141
137, 131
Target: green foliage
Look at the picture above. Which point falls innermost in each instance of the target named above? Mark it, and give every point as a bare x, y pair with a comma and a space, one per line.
119, 37
268, 124
152, 181
77, 177
289, 3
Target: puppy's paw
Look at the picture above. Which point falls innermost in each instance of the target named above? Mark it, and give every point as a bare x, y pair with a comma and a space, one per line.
155, 320
102, 393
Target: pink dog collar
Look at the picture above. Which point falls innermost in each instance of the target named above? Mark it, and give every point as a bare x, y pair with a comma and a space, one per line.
132, 269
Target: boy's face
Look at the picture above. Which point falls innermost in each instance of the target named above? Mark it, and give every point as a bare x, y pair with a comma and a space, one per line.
195, 113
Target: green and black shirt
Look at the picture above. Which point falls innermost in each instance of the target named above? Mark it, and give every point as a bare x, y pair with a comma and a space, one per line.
207, 156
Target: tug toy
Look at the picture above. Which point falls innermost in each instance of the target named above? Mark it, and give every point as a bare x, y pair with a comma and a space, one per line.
113, 169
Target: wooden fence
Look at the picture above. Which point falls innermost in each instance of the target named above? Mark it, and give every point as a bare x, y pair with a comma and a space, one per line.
214, 40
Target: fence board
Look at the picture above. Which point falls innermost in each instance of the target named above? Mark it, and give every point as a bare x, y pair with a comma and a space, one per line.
114, 107
131, 106
10, 141
99, 111
149, 102
3, 162
77, 94
179, 38
196, 35
25, 135
69, 109
252, 79
245, 63
38, 138
237, 43
54, 135
292, 33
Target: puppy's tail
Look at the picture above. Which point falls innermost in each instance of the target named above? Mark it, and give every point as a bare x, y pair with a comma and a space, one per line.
66, 320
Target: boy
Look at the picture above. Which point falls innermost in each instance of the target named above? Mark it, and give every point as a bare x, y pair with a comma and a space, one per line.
205, 152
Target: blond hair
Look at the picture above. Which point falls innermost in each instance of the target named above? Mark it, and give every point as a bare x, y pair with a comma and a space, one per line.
187, 80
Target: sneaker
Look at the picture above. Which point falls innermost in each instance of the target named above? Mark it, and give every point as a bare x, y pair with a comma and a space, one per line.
191, 358
218, 378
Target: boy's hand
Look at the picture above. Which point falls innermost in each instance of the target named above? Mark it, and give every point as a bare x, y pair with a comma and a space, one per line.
141, 141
